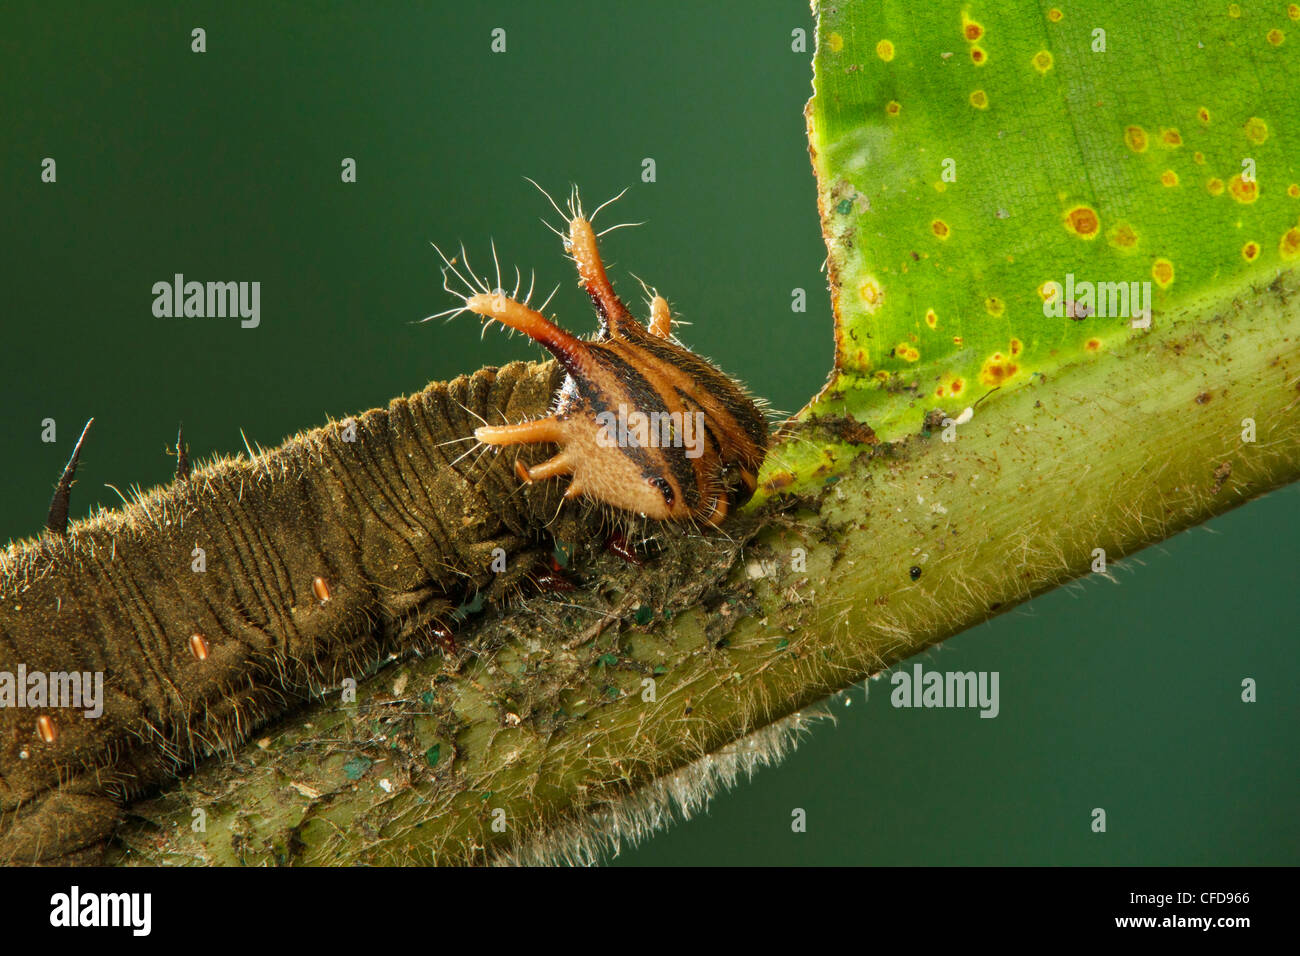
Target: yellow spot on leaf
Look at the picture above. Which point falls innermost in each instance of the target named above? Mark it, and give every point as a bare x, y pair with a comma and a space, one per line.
1243, 190
1234, 11
1083, 222
970, 29
1293, 191
940, 229
1289, 247
835, 42
1135, 138
979, 99
1017, 346
1275, 37
1169, 178
978, 56
1215, 186
997, 369
1293, 11
994, 306
1256, 130
956, 340
1198, 158
1055, 15
885, 50
1250, 251
940, 186
1163, 273
1048, 290
1171, 138
950, 385
892, 108
1042, 61
1123, 236
1093, 345
906, 352
931, 318
1203, 115
872, 295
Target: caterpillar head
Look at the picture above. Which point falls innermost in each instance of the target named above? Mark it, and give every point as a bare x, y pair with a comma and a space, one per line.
642, 423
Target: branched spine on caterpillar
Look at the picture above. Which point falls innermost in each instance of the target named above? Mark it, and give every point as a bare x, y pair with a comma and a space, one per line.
621, 389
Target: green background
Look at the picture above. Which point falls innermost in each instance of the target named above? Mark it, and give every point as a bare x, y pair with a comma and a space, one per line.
226, 166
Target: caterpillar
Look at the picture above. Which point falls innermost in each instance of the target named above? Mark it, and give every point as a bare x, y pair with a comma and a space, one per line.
248, 584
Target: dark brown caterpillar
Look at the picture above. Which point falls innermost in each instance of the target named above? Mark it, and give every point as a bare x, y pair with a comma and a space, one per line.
643, 423
320, 555
213, 604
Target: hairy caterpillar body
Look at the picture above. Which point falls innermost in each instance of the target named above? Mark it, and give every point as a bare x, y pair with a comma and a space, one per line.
317, 557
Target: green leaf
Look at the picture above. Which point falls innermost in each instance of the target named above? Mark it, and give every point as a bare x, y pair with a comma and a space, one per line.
968, 156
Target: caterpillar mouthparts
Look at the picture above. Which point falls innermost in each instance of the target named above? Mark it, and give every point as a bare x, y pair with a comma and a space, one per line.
642, 423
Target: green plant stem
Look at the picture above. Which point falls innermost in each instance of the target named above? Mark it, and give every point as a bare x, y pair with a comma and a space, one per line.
1115, 452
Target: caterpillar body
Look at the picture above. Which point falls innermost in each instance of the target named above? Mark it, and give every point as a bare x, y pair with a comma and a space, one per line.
213, 604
